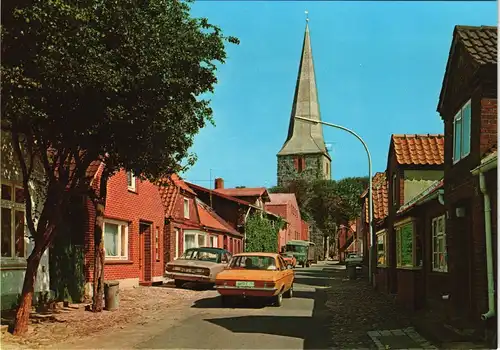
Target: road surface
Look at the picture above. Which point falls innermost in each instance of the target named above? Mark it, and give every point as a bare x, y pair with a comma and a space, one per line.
297, 324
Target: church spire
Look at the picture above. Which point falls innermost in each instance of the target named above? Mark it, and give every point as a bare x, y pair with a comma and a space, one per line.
304, 137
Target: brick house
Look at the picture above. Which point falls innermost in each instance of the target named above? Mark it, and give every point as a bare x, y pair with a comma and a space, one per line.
232, 210
192, 223
257, 196
304, 231
380, 200
425, 285
414, 163
346, 239
133, 232
468, 107
286, 206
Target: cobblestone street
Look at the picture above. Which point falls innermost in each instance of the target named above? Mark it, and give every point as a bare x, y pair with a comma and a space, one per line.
327, 311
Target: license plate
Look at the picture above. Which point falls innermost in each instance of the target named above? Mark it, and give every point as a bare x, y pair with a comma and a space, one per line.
244, 284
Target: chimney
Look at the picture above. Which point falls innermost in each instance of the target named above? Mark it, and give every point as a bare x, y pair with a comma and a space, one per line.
219, 183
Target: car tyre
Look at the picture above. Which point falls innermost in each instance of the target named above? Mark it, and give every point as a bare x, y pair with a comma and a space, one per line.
278, 300
179, 283
289, 293
225, 300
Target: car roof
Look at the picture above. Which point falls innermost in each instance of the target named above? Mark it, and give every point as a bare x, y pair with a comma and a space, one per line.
271, 255
210, 249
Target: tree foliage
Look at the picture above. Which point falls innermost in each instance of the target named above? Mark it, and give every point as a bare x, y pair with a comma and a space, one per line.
328, 203
261, 234
112, 80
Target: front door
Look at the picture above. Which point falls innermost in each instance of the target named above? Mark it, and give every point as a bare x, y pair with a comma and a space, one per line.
145, 257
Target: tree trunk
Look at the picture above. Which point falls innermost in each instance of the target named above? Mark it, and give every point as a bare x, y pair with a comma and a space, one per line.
24, 309
98, 299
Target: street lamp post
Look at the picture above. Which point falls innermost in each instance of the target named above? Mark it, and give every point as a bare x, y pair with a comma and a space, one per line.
370, 199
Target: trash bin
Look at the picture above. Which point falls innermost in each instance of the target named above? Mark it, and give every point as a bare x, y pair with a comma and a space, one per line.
351, 271
111, 296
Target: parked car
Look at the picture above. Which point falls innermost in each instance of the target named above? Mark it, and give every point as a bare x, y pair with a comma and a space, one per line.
260, 275
353, 258
199, 265
290, 260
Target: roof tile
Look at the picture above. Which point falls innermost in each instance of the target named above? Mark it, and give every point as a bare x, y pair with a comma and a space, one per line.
480, 42
380, 198
419, 149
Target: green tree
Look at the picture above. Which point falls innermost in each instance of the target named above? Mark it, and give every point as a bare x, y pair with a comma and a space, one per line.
261, 234
115, 80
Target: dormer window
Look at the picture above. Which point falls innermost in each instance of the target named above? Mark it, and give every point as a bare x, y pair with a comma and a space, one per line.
186, 208
461, 133
131, 180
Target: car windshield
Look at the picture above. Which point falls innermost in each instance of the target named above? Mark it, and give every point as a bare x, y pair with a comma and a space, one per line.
253, 262
203, 255
296, 248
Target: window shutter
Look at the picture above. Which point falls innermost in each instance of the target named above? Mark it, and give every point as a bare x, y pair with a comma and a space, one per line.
296, 163
457, 137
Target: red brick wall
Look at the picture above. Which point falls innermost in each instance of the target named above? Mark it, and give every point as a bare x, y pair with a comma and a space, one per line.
488, 127
304, 235
142, 205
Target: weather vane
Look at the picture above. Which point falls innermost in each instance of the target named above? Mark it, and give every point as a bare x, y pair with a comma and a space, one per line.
307, 15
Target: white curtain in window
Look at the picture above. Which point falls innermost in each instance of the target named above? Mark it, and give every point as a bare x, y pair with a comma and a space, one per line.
190, 241
111, 239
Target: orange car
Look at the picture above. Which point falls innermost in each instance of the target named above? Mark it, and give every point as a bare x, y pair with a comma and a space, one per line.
262, 275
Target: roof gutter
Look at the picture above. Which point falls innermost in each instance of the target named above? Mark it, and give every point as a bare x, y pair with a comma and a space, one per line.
488, 163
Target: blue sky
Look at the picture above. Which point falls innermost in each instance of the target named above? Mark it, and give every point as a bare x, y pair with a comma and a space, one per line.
379, 68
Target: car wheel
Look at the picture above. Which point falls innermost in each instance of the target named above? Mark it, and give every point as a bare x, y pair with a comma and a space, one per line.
225, 300
289, 293
179, 283
278, 300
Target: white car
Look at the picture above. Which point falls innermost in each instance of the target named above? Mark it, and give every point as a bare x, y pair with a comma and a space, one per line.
353, 258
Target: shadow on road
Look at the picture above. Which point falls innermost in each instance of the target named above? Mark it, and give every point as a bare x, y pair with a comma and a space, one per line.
312, 329
215, 303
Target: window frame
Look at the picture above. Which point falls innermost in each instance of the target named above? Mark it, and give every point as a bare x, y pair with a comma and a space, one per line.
196, 235
176, 253
434, 253
397, 230
383, 234
14, 207
459, 119
186, 208
133, 181
157, 243
121, 225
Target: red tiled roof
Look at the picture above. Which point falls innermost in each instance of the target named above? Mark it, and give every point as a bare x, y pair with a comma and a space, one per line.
380, 198
169, 188
244, 192
419, 149
375, 179
222, 195
210, 219
282, 198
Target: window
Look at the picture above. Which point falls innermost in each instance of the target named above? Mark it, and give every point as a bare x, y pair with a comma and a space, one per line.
13, 221
439, 257
157, 244
116, 239
299, 163
394, 186
176, 253
201, 241
131, 180
381, 248
194, 239
405, 245
186, 208
213, 241
461, 132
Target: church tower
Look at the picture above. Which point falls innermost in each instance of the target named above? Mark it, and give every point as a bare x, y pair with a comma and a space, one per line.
304, 153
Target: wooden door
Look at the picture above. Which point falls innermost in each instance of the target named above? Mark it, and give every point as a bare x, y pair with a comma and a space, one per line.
145, 253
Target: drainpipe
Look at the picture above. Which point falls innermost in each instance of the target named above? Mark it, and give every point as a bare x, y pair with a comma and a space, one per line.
484, 167
489, 249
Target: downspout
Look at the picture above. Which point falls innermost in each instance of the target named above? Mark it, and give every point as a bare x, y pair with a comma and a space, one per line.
489, 249
484, 167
